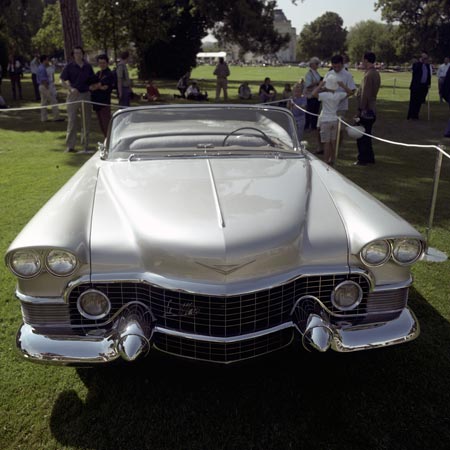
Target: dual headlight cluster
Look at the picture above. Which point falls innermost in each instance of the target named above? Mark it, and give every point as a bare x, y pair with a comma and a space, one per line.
404, 251
28, 263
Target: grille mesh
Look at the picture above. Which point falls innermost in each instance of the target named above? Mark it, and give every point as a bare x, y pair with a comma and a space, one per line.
219, 316
224, 352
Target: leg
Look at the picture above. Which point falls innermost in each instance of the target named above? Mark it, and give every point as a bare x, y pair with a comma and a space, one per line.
45, 100
364, 143
86, 96
72, 121
217, 89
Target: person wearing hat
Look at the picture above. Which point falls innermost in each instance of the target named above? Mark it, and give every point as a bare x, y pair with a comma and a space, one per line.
312, 79
327, 91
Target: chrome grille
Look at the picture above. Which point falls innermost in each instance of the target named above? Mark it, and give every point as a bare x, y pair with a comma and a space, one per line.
224, 352
43, 315
387, 301
219, 316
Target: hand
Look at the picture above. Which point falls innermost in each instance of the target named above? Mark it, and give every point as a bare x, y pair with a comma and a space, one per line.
341, 84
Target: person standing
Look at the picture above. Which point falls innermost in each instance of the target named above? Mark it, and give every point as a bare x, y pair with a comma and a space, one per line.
342, 76
328, 93
123, 80
14, 70
312, 79
297, 104
43, 81
420, 83
101, 90
77, 76
34, 66
441, 73
222, 73
367, 97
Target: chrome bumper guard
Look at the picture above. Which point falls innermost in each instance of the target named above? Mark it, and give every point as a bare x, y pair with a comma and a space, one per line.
131, 336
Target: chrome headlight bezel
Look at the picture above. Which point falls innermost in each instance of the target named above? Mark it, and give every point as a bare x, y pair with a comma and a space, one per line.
73, 263
86, 314
396, 243
366, 248
12, 266
357, 301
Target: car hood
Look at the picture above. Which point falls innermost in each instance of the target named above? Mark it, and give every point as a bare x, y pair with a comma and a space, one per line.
219, 222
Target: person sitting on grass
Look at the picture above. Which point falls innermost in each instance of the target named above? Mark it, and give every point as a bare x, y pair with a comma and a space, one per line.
326, 92
152, 94
244, 91
182, 85
193, 92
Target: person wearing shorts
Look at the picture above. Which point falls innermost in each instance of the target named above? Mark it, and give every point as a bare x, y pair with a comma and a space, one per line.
327, 93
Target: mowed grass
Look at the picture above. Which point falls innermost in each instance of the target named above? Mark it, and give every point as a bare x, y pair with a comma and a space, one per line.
394, 398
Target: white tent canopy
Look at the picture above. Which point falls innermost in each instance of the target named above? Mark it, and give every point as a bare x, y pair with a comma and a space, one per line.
206, 55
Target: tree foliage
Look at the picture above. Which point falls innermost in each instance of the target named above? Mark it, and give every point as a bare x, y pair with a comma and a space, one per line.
423, 24
19, 22
372, 36
323, 37
49, 38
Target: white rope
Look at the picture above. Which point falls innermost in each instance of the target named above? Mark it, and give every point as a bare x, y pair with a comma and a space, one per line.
30, 108
381, 139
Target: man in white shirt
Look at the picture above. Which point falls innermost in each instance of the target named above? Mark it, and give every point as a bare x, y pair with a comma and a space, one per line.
330, 92
344, 76
442, 71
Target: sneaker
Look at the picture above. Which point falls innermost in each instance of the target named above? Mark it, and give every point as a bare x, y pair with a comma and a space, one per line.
70, 150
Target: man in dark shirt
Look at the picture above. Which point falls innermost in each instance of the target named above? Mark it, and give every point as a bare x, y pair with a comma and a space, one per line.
267, 92
420, 83
101, 89
77, 76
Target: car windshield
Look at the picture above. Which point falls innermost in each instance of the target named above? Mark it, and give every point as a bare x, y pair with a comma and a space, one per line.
197, 130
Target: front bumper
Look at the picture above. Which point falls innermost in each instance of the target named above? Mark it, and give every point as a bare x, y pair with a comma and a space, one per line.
132, 336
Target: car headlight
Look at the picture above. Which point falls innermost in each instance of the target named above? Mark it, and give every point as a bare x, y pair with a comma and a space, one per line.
25, 263
406, 251
346, 295
60, 262
93, 304
376, 253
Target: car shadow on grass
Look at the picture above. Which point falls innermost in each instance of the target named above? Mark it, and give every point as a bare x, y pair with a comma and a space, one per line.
396, 397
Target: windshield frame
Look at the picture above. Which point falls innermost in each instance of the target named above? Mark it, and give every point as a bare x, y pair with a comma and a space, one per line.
280, 147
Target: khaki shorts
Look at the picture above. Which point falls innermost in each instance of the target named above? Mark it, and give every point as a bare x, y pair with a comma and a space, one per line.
328, 131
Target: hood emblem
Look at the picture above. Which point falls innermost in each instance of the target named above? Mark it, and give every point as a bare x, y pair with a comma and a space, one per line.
225, 269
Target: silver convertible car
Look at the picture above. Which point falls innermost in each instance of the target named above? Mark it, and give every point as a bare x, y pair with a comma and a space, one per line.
209, 232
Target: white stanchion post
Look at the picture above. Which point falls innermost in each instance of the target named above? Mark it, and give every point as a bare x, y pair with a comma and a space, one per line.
83, 117
433, 254
338, 139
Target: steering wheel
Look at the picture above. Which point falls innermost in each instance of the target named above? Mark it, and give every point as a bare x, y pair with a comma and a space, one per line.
263, 135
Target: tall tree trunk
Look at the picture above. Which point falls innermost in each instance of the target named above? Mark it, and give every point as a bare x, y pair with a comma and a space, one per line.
71, 26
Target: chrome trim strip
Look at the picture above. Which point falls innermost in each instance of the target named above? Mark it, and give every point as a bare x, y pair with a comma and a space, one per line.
395, 286
41, 300
203, 289
223, 340
216, 195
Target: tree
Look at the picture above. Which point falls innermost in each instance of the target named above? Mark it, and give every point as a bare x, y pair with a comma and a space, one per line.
425, 25
103, 24
71, 26
372, 36
49, 37
19, 21
323, 37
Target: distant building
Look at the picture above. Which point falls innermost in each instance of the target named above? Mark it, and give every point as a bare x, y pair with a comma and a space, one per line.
284, 26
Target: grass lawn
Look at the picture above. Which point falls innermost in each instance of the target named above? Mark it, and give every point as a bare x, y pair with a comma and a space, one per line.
396, 398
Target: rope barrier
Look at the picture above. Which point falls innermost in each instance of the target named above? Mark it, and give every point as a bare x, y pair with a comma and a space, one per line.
30, 108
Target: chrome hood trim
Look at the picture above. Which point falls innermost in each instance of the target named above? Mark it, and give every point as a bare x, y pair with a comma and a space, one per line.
214, 221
